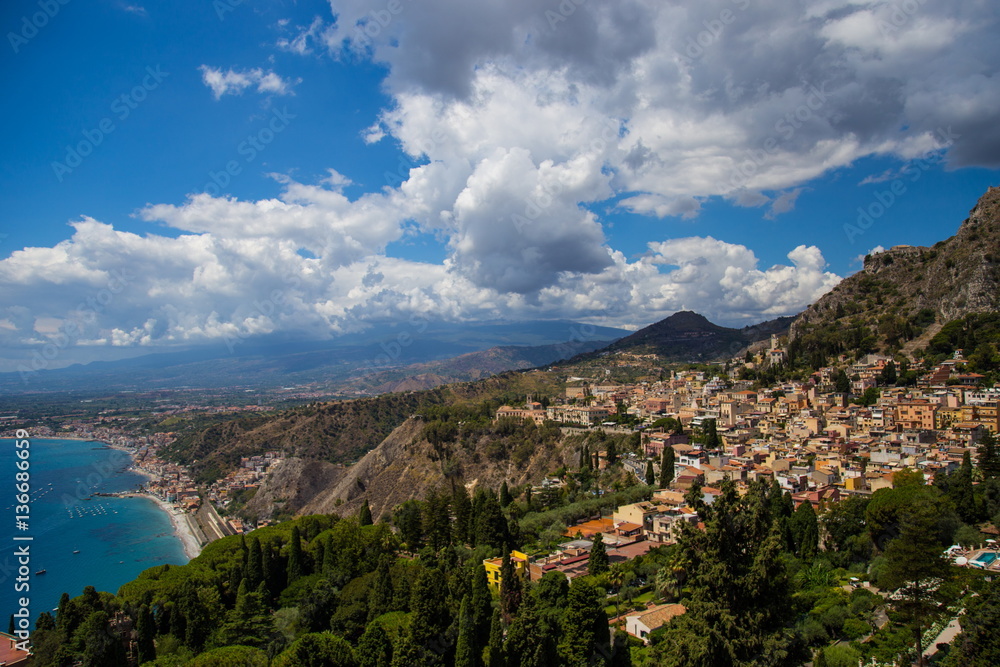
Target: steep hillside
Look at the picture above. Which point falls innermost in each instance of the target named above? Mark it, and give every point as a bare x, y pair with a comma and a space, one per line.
406, 465
904, 291
687, 336
340, 431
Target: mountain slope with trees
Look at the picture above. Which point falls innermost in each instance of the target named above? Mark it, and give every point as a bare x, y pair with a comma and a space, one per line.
907, 292
687, 336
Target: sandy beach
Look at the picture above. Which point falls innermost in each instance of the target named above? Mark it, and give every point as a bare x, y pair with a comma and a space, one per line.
180, 520
182, 529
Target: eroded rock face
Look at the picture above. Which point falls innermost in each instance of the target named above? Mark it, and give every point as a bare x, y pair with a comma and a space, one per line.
953, 278
405, 466
292, 484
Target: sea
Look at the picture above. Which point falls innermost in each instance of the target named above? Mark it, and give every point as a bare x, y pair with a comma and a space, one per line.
78, 539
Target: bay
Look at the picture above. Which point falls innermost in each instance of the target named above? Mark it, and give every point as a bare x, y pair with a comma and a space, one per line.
117, 538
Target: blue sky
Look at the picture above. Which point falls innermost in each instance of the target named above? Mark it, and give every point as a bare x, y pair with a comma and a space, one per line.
258, 167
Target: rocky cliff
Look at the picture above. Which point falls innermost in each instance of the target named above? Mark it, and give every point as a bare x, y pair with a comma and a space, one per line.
908, 291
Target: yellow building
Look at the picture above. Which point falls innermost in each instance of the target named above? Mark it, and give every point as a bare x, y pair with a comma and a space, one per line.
946, 417
492, 565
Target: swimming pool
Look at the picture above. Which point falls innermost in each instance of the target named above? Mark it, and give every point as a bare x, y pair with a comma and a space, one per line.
985, 558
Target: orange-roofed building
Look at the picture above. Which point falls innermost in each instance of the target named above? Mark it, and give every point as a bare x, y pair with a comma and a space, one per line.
10, 654
642, 623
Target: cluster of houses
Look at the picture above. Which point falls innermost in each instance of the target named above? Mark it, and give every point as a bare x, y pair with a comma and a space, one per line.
816, 443
249, 475
631, 531
170, 482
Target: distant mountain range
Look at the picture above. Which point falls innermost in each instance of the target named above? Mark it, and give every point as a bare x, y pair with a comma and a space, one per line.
370, 362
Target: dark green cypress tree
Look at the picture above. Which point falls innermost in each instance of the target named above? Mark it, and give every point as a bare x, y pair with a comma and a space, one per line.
611, 453
841, 383
437, 521
178, 622
255, 563
145, 629
329, 557
597, 562
319, 554
365, 514
62, 617
510, 589
295, 566
621, 655
961, 492
406, 652
988, 458
666, 466
480, 606
428, 602
407, 519
712, 440
805, 529
776, 501
248, 623
650, 474
268, 565
505, 497
585, 628
374, 647
493, 655
528, 645
380, 601
491, 525
465, 649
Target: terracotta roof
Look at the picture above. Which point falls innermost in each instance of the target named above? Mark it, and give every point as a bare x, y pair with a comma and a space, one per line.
656, 616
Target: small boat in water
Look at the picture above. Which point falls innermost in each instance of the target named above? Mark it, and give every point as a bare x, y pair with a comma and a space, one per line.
39, 572
76, 551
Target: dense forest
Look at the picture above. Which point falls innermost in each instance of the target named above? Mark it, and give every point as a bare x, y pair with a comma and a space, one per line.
763, 583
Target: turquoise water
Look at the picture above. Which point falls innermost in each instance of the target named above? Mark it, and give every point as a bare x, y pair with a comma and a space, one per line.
986, 558
117, 537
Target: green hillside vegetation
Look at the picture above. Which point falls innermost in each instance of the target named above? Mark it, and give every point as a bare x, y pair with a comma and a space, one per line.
337, 432
976, 334
904, 291
758, 586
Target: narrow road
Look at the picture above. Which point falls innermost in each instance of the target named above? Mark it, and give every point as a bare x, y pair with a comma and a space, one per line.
946, 637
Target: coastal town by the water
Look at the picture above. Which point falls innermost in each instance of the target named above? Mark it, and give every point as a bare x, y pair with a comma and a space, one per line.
845, 431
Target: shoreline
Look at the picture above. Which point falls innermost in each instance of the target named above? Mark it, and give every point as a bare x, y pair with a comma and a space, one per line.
182, 527
180, 521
